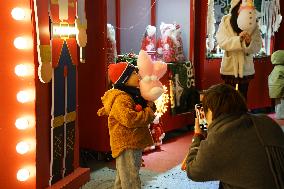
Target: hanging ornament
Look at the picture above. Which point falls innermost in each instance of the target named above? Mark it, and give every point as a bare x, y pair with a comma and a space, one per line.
210, 26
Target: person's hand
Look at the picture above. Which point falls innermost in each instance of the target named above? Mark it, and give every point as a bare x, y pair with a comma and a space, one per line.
245, 36
247, 39
197, 128
242, 36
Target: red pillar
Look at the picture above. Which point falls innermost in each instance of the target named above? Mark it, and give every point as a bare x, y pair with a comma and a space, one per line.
92, 80
200, 40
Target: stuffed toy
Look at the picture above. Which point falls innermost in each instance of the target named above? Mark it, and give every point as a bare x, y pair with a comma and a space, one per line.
150, 71
149, 40
247, 16
176, 36
165, 44
247, 22
157, 132
169, 45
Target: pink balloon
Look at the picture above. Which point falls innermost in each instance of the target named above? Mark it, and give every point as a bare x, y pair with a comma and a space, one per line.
151, 90
150, 86
159, 69
145, 64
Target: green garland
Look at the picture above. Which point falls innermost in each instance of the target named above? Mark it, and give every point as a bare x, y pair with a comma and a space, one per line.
127, 57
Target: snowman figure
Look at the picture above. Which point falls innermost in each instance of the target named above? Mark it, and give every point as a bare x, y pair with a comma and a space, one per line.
247, 16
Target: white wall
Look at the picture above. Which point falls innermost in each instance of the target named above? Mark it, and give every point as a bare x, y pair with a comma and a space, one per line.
136, 14
170, 11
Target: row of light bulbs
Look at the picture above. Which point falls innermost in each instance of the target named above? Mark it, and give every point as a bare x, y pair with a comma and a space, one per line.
24, 96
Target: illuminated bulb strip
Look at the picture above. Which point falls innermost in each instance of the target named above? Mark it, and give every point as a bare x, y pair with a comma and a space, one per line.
18, 13
23, 175
22, 147
26, 96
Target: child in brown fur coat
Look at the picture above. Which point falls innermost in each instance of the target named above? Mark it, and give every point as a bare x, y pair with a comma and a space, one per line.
128, 118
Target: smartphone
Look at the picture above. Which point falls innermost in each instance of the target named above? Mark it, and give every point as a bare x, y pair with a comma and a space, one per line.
199, 111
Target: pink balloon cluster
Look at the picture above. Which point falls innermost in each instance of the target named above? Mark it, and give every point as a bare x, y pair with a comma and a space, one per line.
150, 71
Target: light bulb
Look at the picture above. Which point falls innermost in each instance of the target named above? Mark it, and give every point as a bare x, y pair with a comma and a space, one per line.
25, 96
18, 13
22, 123
23, 70
21, 43
23, 175
22, 147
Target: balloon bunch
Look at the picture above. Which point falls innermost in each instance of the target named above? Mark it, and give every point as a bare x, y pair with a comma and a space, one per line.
150, 71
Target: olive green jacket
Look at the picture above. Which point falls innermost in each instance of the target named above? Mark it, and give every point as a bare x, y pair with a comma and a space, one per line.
276, 77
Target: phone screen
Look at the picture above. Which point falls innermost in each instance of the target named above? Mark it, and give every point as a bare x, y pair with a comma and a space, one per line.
200, 115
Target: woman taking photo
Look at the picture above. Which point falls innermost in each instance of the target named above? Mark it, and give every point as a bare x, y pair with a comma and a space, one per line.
241, 150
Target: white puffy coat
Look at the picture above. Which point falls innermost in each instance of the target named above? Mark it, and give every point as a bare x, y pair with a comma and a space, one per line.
238, 58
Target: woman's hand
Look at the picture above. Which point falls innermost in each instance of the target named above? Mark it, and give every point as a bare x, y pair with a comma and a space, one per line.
245, 36
247, 39
242, 36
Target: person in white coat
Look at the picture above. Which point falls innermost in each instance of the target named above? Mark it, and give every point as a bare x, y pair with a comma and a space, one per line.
237, 63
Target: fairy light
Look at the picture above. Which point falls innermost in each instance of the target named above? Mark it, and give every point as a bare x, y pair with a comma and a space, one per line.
18, 13
161, 103
25, 96
23, 174
24, 70
22, 147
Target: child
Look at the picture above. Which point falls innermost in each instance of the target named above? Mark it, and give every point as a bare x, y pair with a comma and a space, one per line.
276, 83
128, 118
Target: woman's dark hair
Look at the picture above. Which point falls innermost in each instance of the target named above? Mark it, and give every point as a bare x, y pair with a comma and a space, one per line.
223, 99
234, 17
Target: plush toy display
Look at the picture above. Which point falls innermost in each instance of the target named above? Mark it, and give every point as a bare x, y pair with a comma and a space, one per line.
247, 16
149, 39
150, 71
169, 45
165, 44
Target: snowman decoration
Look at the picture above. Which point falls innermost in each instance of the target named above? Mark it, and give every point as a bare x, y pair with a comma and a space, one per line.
247, 16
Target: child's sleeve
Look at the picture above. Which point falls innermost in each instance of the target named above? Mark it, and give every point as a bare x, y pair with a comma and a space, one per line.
123, 111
